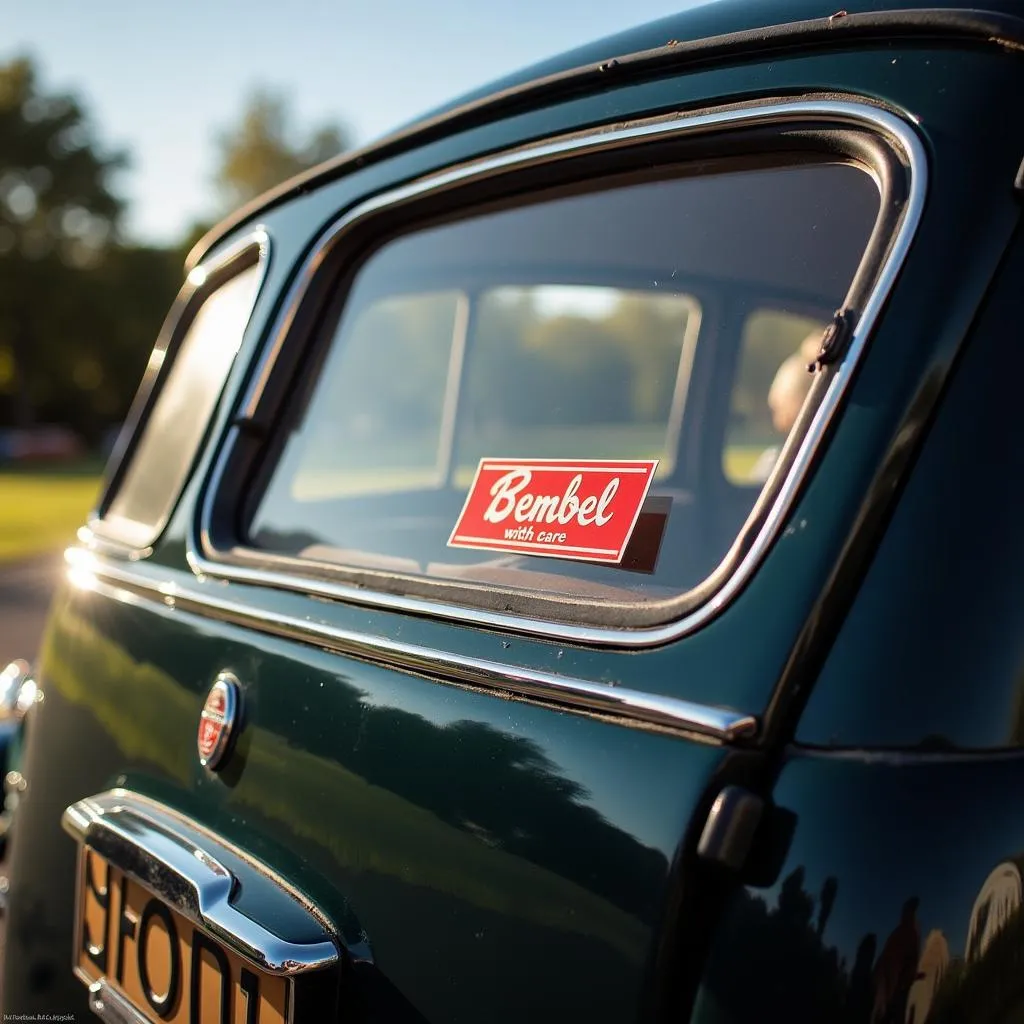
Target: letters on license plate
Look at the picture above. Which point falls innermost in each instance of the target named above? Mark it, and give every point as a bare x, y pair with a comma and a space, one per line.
158, 961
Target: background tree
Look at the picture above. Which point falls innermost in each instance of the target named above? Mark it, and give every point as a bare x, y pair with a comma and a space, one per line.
125, 301
79, 307
58, 216
826, 901
263, 149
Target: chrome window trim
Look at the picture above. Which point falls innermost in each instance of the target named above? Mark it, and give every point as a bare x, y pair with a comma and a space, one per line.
851, 113
108, 1004
132, 832
100, 531
98, 575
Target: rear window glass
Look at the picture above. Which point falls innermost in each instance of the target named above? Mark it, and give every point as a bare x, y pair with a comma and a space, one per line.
187, 394
619, 327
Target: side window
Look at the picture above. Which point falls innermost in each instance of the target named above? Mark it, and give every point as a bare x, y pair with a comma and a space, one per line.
772, 381
484, 396
188, 378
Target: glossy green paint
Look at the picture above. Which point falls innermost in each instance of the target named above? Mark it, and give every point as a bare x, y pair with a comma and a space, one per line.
484, 858
435, 826
884, 908
943, 595
709, 19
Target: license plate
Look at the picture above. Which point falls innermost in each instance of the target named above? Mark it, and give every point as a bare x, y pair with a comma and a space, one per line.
131, 947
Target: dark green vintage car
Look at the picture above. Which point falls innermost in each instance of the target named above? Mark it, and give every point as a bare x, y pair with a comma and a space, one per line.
563, 564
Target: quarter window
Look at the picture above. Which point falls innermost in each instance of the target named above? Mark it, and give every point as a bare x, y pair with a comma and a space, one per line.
189, 377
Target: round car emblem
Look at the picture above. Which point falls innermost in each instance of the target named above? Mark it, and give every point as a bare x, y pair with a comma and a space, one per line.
217, 721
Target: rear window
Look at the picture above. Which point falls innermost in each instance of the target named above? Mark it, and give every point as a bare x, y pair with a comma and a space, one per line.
189, 376
637, 325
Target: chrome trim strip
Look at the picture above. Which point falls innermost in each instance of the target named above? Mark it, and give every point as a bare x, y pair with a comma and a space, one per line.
109, 1005
847, 113
18, 691
99, 534
90, 573
146, 842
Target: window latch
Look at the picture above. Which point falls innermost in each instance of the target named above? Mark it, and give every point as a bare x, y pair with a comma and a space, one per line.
834, 341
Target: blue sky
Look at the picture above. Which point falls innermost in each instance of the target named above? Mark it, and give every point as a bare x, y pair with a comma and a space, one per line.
161, 79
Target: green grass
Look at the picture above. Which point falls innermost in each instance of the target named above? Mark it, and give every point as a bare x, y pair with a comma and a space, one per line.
350, 479
41, 509
333, 468
739, 461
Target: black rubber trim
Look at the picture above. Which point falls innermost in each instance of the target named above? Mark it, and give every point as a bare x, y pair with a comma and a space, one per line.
1004, 31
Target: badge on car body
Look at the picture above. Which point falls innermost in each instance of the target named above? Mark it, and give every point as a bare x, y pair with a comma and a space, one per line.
217, 721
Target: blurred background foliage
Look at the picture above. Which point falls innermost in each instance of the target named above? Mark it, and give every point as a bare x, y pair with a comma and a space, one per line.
81, 304
265, 148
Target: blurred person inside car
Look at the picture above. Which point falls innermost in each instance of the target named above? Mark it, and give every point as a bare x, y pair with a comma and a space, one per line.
786, 396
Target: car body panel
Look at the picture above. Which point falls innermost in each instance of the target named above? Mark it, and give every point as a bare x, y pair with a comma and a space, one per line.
920, 918
951, 563
434, 825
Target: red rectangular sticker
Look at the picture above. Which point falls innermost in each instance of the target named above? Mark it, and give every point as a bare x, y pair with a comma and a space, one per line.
583, 509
